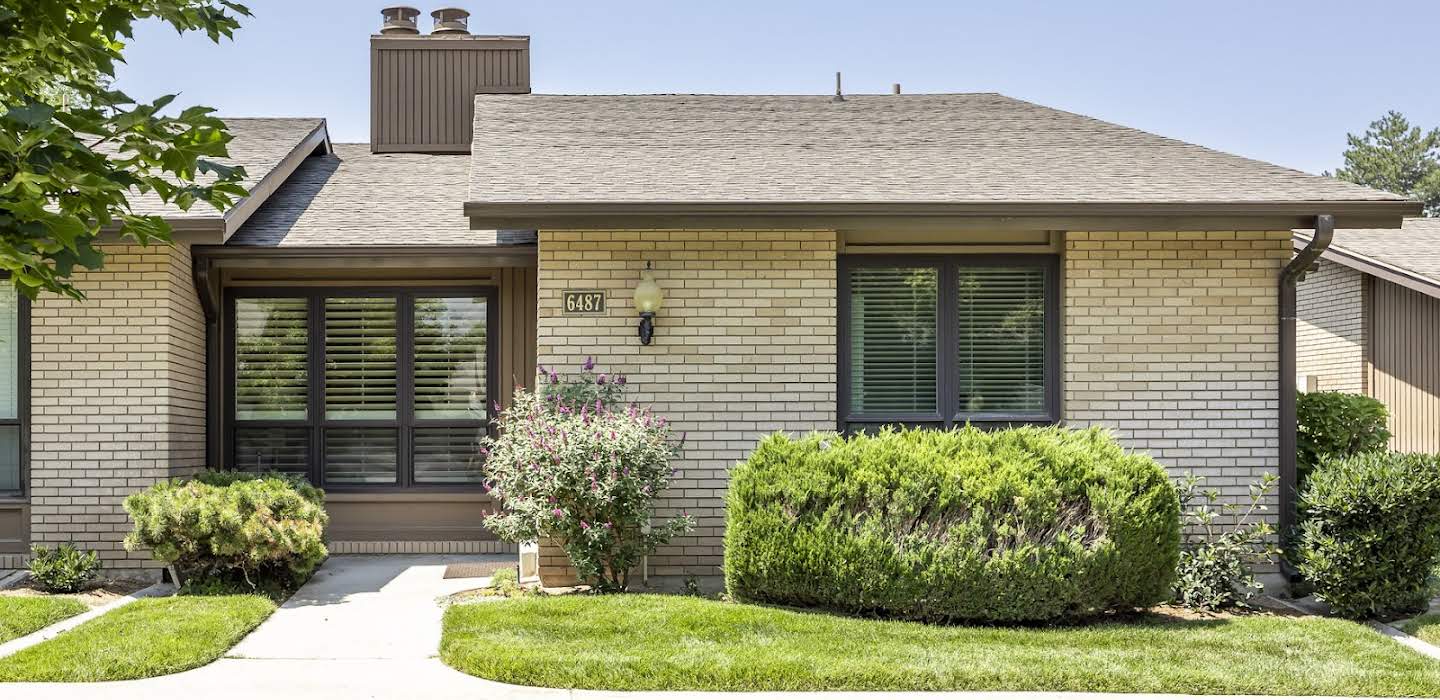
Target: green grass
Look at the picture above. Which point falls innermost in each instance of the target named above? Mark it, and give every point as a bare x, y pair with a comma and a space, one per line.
1426, 627
646, 642
21, 615
150, 637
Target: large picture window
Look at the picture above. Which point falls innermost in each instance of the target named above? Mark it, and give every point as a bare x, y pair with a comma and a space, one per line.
14, 370
350, 389
944, 340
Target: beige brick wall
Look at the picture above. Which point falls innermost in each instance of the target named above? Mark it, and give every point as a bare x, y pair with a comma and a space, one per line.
1171, 339
117, 396
744, 345
1330, 329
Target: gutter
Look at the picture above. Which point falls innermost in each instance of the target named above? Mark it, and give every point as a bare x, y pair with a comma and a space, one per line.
1290, 275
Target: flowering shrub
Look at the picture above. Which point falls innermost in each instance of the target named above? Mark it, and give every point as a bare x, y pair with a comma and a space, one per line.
574, 463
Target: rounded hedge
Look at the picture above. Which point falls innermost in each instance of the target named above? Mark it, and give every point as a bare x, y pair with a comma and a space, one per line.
1371, 535
1024, 524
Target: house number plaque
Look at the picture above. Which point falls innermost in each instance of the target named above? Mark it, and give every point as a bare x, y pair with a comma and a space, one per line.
583, 301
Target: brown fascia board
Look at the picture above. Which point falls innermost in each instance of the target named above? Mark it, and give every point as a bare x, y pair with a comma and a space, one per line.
1370, 266
1128, 216
318, 140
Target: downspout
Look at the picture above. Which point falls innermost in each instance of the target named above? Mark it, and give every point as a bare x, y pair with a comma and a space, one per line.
1291, 275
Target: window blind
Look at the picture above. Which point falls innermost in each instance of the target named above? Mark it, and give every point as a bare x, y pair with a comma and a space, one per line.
893, 339
360, 368
1000, 347
261, 449
271, 349
450, 350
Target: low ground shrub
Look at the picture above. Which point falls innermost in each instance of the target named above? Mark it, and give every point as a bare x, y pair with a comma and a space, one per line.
1371, 535
1222, 542
1333, 423
573, 463
220, 528
64, 569
1025, 524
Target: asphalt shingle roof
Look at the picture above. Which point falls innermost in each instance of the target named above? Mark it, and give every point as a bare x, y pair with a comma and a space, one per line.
355, 197
1414, 248
259, 144
982, 148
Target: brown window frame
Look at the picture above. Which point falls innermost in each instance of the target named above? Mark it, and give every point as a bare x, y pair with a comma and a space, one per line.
405, 422
948, 413
21, 421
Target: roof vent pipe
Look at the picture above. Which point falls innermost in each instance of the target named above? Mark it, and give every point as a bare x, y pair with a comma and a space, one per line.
895, 89
450, 20
399, 20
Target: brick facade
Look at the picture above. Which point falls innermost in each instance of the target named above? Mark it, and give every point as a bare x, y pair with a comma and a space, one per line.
744, 345
1171, 339
117, 397
1330, 329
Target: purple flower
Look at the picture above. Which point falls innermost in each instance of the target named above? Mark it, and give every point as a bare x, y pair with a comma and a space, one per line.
554, 377
589, 364
584, 525
558, 513
620, 379
600, 379
607, 526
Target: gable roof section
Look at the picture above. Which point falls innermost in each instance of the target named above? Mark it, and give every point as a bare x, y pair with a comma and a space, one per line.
955, 154
352, 197
269, 149
1409, 257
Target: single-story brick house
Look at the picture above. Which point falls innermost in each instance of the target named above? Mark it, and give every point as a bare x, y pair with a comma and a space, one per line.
1368, 322
826, 262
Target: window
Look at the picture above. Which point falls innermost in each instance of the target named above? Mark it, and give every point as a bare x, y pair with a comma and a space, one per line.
351, 389
945, 340
14, 399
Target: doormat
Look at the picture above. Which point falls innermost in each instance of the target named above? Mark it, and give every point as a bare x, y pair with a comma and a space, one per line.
477, 569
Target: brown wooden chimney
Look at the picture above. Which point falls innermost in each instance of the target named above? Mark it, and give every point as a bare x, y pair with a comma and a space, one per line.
423, 87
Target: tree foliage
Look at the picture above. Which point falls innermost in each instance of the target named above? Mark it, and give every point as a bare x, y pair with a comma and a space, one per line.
74, 152
1395, 156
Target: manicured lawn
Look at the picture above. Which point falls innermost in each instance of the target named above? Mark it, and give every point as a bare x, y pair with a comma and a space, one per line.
146, 638
643, 642
21, 615
1426, 627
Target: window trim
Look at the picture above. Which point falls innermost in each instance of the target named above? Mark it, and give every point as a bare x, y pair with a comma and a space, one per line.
22, 387
948, 413
404, 422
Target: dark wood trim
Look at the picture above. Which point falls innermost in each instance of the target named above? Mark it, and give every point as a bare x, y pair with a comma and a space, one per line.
948, 412
1167, 216
404, 422
305, 261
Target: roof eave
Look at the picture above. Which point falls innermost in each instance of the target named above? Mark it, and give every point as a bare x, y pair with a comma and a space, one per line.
317, 140
1428, 286
1030, 215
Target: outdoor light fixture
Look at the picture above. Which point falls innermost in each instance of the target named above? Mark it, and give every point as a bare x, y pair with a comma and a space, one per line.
648, 299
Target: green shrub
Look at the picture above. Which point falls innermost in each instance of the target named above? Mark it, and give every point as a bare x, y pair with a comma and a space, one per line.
1372, 532
257, 528
1332, 423
1222, 542
64, 569
1013, 525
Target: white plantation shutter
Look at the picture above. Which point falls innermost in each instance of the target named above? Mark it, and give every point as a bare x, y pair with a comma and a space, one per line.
9, 388
893, 326
271, 352
1000, 349
450, 351
360, 366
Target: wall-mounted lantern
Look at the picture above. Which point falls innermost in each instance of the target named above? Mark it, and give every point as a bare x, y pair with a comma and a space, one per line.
648, 299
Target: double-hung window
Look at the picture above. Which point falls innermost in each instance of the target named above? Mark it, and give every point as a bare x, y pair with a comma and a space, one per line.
14, 369
941, 340
363, 389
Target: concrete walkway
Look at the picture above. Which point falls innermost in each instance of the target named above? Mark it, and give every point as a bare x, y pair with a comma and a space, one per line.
369, 627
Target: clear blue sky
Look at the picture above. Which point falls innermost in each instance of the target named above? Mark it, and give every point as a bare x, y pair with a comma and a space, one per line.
1278, 80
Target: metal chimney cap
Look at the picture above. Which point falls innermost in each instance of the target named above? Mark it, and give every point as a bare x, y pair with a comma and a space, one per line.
450, 20
399, 19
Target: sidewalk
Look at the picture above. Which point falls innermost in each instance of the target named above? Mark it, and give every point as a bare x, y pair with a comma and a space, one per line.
369, 627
